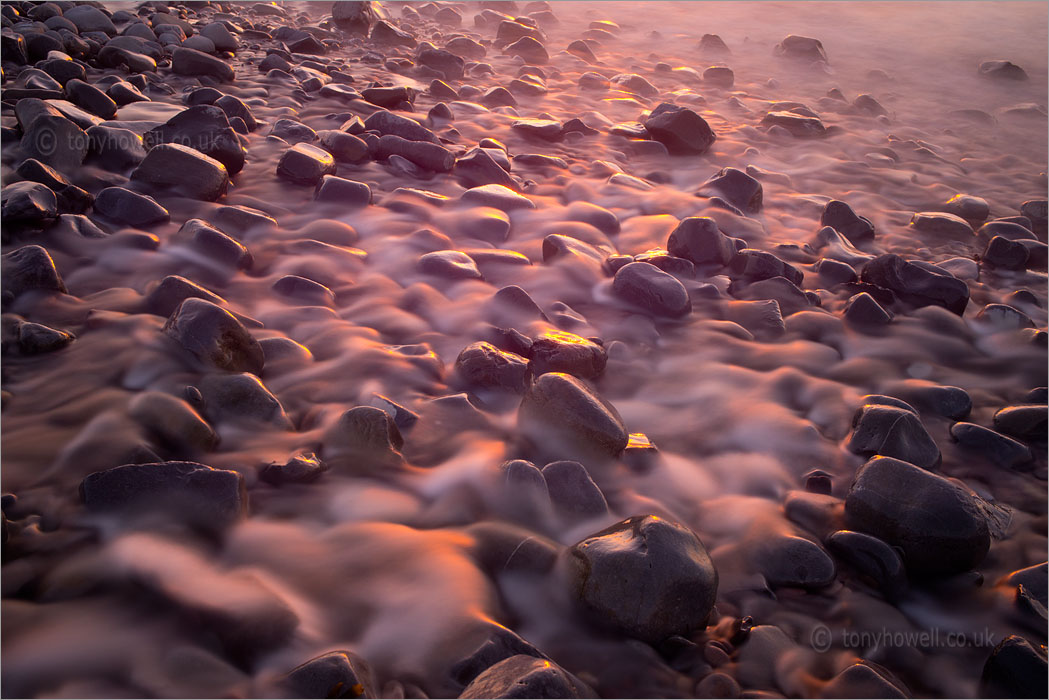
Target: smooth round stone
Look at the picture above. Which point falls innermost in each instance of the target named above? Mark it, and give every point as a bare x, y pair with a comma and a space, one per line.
917, 284
860, 681
998, 448
37, 339
680, 129
450, 264
28, 203
801, 48
486, 366
699, 240
942, 223
563, 416
305, 164
561, 351
840, 216
794, 561
186, 61
1006, 254
166, 296
893, 432
214, 336
343, 147
797, 125
872, 558
220, 36
304, 290
131, 208
573, 493
648, 287
646, 577
737, 188
1025, 422
1014, 669
241, 398
335, 674
54, 140
364, 440
497, 197
183, 170
524, 676
300, 469
1002, 70
173, 421
968, 207
940, 527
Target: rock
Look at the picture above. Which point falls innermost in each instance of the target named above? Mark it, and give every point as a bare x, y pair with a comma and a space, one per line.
530, 49
561, 351
893, 432
293, 131
498, 97
90, 19
1025, 422
355, 17
385, 33
648, 287
681, 130
1001, 317
443, 61
561, 415
1037, 210
172, 422
450, 264
996, 447
840, 216
1007, 229
307, 44
234, 107
916, 284
968, 207
300, 469
184, 170
497, 197
762, 318
760, 265
1015, 669
172, 291
573, 493
364, 440
797, 124
835, 272
305, 164
386, 122
942, 223
197, 63
544, 129
786, 560
477, 168
214, 336
342, 146
735, 186
860, 681
348, 193
524, 676
216, 245
870, 106
204, 128
1006, 254
698, 239
873, 559
115, 149
91, 98
484, 365
304, 290
274, 62
713, 45
647, 577
131, 208
947, 401
212, 499
940, 527
501, 645
37, 339
593, 81
220, 36
863, 310
241, 398
28, 203
631, 82
426, 155
801, 48
54, 140
390, 97
337, 673
1002, 70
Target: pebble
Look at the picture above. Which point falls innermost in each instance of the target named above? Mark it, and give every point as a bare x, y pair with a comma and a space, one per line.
797, 125
38, 339
364, 440
793, 561
942, 223
300, 469
561, 415
214, 337
1006, 254
131, 208
968, 207
863, 310
524, 676
449, 264
530, 49
574, 494
939, 526
720, 77
754, 264
197, 63
183, 170
835, 272
631, 576
305, 164
426, 155
115, 149
348, 193
54, 140
736, 187
561, 351
860, 681
1024, 422
173, 422
916, 283
998, 448
334, 674
386, 122
28, 203
1002, 70
91, 98
680, 129
646, 286
801, 48
497, 197
1014, 669
216, 245
483, 365
204, 128
840, 216
893, 432
873, 559
171, 291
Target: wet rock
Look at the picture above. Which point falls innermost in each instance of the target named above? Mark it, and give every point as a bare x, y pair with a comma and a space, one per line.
115, 149
274, 62
220, 36
184, 170
197, 63
241, 398
91, 98
196, 494
998, 448
214, 336
736, 187
1002, 70
942, 223
648, 287
342, 191
948, 401
337, 674
872, 559
390, 97
698, 239
386, 122
713, 45
795, 562
37, 339
446, 62
496, 196
304, 290
648, 577
28, 203
204, 128
1025, 422
939, 526
834, 272
797, 125
801, 48
573, 493
593, 81
355, 17
530, 49
131, 208
866, 104
790, 298
863, 310
450, 264
54, 140
502, 644
893, 432
860, 681
762, 318
300, 469
840, 216
1012, 230
293, 131
172, 422
760, 265
90, 19
1037, 211
681, 130
968, 207
484, 365
216, 245
234, 107
563, 416
1006, 254
385, 33
166, 297
305, 164
477, 167
524, 676
343, 147
561, 351
307, 44
916, 284
426, 155
1015, 669
544, 129
364, 440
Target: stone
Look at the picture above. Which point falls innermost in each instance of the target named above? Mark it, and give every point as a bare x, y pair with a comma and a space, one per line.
720, 77
337, 673
349, 193
968, 207
801, 48
942, 223
186, 61
355, 17
1002, 70
484, 365
915, 284
647, 577
342, 146
205, 128
184, 170
304, 290
525, 676
1006, 254
680, 129
54, 140
90, 19
302, 468
234, 107
648, 287
216, 245
754, 264
574, 494
496, 196
220, 36
28, 203
790, 561
1024, 422
172, 422
307, 44
798, 125
893, 432
530, 49
863, 310
385, 33
91, 98
860, 681
698, 240
171, 291
131, 208
386, 122
1015, 669
443, 61
840, 216
212, 499
1011, 230
305, 164
364, 440
940, 528
241, 398
562, 415
390, 97
870, 106
996, 447
426, 155
736, 187
1037, 211
561, 351
114, 148
450, 264
543, 129
293, 131
835, 272
214, 337
873, 559
477, 168
37, 339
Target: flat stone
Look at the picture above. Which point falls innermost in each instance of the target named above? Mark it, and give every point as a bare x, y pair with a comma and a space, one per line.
798, 125
450, 264
873, 559
942, 223
485, 366
497, 197
998, 448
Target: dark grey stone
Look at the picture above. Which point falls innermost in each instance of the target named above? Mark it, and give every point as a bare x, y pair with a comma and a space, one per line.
915, 284
562, 416
484, 366
184, 170
893, 432
574, 494
681, 130
996, 447
337, 674
873, 559
131, 208
524, 676
650, 288
840, 216
204, 128
214, 336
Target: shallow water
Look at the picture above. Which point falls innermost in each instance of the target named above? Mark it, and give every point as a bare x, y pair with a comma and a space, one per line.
385, 566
